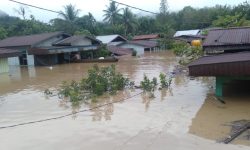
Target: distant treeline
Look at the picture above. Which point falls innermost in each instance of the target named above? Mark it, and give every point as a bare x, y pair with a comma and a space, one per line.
124, 22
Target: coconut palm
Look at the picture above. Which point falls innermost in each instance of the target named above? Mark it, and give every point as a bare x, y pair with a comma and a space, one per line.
128, 20
70, 13
112, 13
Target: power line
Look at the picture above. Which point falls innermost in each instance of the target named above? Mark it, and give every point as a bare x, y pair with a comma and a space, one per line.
36, 7
70, 114
135, 7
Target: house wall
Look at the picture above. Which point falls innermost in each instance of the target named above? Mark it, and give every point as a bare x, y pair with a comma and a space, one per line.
13, 61
82, 42
137, 48
30, 60
4, 67
46, 60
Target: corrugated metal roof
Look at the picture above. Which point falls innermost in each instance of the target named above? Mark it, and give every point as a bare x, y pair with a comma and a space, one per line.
222, 58
27, 40
236, 64
144, 43
227, 37
119, 50
146, 37
4, 53
187, 32
110, 38
70, 40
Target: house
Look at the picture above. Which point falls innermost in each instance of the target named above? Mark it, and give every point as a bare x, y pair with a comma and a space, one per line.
229, 57
140, 46
146, 37
119, 51
47, 48
188, 35
4, 55
111, 39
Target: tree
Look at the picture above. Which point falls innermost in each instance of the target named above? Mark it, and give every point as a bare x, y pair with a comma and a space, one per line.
70, 13
3, 33
164, 7
231, 21
112, 13
21, 11
128, 21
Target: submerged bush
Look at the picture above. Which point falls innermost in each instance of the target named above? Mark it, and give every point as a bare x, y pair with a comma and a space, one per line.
134, 53
99, 81
165, 83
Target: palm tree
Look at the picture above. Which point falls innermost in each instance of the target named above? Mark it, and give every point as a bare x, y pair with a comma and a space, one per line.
70, 13
112, 13
128, 19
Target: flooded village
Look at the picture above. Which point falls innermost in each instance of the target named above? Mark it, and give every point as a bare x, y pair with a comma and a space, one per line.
145, 85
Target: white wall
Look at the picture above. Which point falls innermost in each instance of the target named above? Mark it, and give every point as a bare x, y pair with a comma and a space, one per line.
30, 60
13, 61
4, 67
137, 48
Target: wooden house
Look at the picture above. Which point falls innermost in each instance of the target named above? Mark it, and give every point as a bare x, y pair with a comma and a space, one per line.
47, 48
227, 56
4, 55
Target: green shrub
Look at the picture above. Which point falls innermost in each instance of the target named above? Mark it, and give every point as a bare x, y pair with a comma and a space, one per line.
134, 53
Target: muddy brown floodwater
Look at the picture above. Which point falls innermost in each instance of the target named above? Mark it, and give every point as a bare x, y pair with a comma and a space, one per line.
183, 117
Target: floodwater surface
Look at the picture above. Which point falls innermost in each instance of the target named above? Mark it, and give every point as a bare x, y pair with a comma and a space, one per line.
182, 117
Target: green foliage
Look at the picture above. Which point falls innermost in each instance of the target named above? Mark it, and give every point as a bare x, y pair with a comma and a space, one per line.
186, 52
165, 83
3, 33
147, 85
230, 21
134, 53
99, 81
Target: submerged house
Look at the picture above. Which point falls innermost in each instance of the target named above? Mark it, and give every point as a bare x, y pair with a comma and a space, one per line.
228, 57
140, 46
4, 55
189, 35
47, 48
112, 42
153, 37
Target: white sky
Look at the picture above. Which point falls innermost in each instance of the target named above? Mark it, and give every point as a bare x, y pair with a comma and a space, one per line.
96, 7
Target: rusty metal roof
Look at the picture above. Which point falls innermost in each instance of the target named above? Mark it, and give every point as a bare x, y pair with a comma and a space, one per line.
146, 37
70, 40
233, 64
144, 43
226, 37
5, 53
27, 40
222, 58
119, 50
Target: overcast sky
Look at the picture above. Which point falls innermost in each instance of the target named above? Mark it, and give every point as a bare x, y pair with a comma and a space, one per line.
96, 7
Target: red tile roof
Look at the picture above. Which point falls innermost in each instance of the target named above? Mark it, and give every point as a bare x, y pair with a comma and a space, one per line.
146, 37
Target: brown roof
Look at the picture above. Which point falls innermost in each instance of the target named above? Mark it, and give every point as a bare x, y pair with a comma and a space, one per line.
119, 51
234, 64
69, 40
227, 37
146, 37
223, 58
144, 43
27, 40
5, 53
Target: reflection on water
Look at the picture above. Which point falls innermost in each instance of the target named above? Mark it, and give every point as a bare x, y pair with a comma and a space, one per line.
213, 119
136, 123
